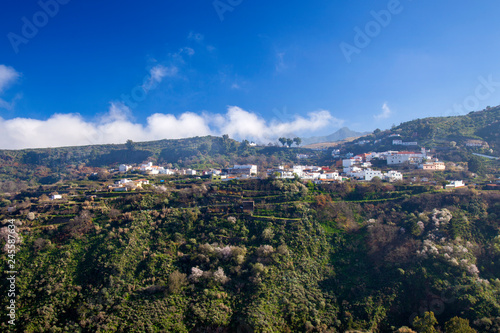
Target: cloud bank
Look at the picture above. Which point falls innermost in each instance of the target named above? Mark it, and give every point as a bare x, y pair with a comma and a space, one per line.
116, 127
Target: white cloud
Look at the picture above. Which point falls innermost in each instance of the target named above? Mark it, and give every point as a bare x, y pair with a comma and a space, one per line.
116, 127
58, 130
8, 75
156, 75
386, 113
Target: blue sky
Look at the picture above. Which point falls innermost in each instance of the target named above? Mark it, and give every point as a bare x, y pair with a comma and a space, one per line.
101, 72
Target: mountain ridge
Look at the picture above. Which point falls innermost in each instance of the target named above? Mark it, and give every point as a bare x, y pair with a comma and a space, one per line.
341, 134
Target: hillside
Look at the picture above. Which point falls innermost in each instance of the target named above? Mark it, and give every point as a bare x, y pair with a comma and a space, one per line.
447, 135
184, 257
482, 125
197, 152
21, 168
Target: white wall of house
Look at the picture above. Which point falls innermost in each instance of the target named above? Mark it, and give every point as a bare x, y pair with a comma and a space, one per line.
370, 174
348, 162
394, 175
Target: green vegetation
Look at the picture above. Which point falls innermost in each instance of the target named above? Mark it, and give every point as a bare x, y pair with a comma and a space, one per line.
185, 257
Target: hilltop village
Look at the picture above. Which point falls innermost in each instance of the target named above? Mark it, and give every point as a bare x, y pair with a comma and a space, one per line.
347, 167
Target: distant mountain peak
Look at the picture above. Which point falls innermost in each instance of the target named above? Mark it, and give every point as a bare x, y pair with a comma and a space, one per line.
341, 134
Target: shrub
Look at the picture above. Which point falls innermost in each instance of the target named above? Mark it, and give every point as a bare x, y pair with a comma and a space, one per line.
176, 281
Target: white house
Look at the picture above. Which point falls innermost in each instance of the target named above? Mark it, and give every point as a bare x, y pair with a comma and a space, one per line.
188, 172
124, 168
393, 176
298, 170
214, 172
154, 171
454, 184
310, 175
248, 169
167, 172
141, 182
354, 172
346, 163
332, 175
358, 158
284, 174
370, 174
191, 172
403, 157
371, 156
123, 181
147, 167
55, 197
433, 166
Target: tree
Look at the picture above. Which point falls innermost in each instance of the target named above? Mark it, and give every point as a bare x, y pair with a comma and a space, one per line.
243, 146
220, 276
458, 325
268, 234
289, 142
425, 324
405, 329
130, 145
103, 174
176, 281
475, 164
282, 140
80, 225
297, 141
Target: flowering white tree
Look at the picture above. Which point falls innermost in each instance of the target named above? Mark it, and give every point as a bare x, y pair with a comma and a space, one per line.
265, 250
196, 274
220, 276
